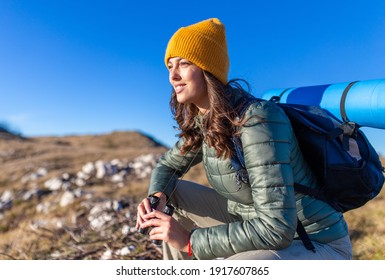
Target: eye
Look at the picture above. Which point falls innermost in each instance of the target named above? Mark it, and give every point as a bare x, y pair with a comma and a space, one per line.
169, 67
184, 63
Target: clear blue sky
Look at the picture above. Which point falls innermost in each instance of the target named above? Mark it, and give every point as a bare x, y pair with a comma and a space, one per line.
79, 67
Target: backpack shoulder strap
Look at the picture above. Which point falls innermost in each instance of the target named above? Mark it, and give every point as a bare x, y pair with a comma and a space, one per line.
304, 236
238, 163
238, 160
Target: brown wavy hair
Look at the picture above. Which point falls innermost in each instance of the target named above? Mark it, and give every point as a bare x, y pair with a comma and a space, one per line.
220, 122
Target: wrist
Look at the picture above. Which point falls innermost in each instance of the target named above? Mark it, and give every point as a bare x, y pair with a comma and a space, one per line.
162, 198
189, 246
189, 249
161, 195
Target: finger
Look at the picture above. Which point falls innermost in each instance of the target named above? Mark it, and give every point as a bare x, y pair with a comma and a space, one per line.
156, 214
147, 205
144, 207
149, 216
138, 224
154, 222
157, 234
141, 212
139, 221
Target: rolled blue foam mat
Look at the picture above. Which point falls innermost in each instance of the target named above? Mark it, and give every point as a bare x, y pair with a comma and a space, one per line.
363, 101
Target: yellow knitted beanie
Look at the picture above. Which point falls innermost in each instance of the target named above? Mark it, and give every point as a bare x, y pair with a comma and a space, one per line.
204, 44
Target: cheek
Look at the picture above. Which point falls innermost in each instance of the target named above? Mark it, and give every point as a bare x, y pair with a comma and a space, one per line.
198, 79
201, 86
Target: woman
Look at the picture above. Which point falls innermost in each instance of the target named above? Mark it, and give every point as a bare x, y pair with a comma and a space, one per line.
234, 218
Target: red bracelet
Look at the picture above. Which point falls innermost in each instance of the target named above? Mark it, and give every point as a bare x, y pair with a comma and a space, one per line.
190, 253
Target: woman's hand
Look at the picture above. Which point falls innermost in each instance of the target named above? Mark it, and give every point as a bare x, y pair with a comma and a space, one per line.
168, 229
144, 207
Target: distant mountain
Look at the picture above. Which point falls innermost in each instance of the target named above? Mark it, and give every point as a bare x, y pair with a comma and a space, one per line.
5, 133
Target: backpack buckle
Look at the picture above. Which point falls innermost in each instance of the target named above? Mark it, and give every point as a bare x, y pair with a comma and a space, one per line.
349, 128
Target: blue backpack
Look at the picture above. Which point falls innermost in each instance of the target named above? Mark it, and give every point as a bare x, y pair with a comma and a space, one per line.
346, 165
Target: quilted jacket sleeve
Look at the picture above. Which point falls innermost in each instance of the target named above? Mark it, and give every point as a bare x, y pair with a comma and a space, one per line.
267, 141
170, 167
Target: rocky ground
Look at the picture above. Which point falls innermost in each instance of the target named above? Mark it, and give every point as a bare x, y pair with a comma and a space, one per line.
75, 197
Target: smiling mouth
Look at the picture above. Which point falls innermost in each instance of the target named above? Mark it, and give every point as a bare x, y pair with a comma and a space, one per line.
179, 88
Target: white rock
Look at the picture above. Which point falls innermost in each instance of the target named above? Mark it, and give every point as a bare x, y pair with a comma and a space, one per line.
80, 182
56, 255
67, 198
66, 176
7, 196
100, 169
117, 178
89, 168
117, 162
126, 229
82, 175
41, 172
34, 225
43, 207
29, 194
54, 184
107, 255
125, 251
97, 223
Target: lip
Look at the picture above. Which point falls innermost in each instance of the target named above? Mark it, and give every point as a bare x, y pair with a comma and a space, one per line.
179, 88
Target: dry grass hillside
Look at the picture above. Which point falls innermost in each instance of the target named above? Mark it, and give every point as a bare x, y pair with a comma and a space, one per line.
55, 204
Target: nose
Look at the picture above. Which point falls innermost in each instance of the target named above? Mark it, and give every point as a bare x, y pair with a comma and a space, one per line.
174, 74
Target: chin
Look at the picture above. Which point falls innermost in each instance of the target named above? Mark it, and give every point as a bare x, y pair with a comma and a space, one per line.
182, 101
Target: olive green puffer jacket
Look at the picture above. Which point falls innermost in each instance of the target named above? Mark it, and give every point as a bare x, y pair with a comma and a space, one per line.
268, 207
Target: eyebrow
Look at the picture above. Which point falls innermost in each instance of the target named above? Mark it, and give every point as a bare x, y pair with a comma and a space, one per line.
175, 59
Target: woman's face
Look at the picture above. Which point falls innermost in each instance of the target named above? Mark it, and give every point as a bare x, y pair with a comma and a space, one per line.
188, 82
